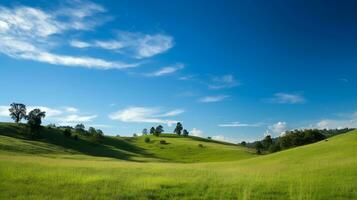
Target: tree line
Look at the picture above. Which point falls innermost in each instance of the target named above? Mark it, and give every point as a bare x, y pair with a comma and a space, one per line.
179, 130
293, 138
18, 112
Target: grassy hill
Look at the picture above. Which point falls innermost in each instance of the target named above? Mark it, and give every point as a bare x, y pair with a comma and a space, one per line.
59, 168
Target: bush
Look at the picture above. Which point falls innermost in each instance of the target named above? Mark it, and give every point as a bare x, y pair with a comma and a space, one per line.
67, 132
200, 145
76, 137
163, 142
147, 139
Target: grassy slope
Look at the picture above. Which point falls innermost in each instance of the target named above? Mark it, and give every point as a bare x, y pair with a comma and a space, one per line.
325, 170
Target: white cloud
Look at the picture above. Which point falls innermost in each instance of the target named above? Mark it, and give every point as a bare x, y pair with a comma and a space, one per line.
76, 118
277, 129
166, 70
71, 109
223, 138
143, 115
27, 33
79, 44
4, 111
238, 124
346, 121
211, 99
226, 81
196, 132
286, 98
173, 113
137, 45
50, 112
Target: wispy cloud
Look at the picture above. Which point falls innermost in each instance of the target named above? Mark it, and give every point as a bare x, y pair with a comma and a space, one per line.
224, 138
196, 132
28, 33
137, 45
345, 121
221, 82
287, 98
145, 115
238, 124
212, 99
166, 70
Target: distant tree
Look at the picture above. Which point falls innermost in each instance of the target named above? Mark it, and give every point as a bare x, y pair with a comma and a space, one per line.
17, 111
51, 126
159, 129
152, 130
147, 139
145, 131
178, 128
259, 147
210, 138
267, 142
185, 133
243, 143
80, 128
34, 120
92, 131
100, 133
135, 135
67, 132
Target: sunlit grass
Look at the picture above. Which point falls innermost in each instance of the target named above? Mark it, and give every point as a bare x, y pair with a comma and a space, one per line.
325, 170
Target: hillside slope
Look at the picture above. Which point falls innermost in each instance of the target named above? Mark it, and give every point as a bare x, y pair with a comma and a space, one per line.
324, 170
13, 138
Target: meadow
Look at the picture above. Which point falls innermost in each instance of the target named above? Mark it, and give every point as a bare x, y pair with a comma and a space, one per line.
129, 168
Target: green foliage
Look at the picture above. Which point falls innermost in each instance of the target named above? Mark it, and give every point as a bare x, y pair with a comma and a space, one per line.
259, 147
185, 133
34, 120
163, 142
17, 111
158, 130
200, 145
147, 139
243, 143
152, 130
178, 128
67, 132
144, 131
80, 128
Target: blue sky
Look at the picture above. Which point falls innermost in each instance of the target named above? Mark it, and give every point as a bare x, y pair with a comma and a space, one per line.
232, 70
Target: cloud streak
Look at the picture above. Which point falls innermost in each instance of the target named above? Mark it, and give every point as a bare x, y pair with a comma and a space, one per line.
27, 33
287, 98
238, 124
145, 115
166, 70
212, 99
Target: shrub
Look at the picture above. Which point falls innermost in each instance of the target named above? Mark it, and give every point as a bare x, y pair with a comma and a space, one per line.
147, 139
67, 132
163, 142
76, 137
200, 145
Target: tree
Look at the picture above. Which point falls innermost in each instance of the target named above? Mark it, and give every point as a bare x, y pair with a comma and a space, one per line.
67, 132
34, 118
185, 132
92, 131
243, 143
159, 129
178, 128
152, 130
145, 131
267, 142
17, 111
79, 128
259, 146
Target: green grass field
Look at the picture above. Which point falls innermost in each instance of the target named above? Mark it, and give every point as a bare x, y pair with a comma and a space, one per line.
56, 167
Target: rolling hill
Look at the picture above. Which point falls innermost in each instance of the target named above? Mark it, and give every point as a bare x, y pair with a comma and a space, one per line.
56, 167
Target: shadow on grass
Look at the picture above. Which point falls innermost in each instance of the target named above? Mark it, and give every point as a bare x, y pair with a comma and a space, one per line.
108, 147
